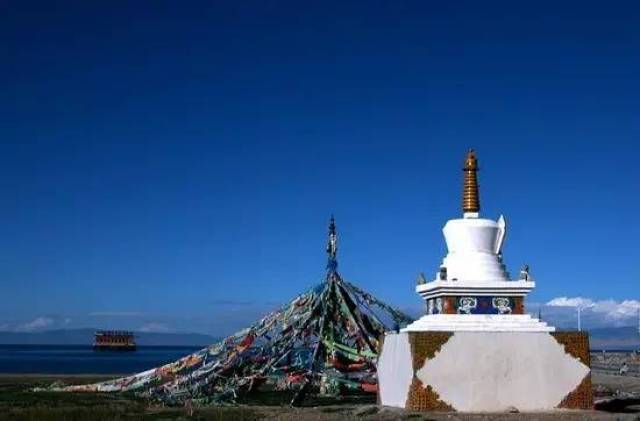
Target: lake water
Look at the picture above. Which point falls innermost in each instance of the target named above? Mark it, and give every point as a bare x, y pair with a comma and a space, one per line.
62, 359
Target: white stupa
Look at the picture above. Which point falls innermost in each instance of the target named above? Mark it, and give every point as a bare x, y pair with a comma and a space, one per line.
472, 290
475, 349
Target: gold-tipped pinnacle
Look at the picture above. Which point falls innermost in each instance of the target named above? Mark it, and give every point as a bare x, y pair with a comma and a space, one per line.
470, 192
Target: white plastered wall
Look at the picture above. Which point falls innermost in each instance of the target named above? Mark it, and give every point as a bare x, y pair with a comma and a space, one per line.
395, 370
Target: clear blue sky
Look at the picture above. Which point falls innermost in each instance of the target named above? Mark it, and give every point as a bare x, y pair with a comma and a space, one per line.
170, 164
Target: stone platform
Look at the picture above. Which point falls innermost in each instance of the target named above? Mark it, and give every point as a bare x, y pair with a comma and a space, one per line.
479, 323
474, 371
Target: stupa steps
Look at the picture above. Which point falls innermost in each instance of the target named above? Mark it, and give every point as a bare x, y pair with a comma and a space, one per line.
480, 323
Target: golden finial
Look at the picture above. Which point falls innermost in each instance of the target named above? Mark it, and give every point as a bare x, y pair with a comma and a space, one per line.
470, 193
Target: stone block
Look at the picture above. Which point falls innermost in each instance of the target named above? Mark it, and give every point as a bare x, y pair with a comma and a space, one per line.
485, 371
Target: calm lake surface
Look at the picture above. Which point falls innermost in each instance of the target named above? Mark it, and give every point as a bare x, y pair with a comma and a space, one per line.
80, 359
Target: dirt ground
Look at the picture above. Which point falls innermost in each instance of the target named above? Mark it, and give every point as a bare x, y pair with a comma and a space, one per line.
617, 397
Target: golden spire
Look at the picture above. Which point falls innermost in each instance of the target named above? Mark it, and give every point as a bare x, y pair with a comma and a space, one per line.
470, 193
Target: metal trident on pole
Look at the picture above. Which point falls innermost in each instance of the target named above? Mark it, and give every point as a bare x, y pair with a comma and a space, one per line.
332, 246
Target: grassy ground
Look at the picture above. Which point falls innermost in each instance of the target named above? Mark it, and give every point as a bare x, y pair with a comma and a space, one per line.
17, 402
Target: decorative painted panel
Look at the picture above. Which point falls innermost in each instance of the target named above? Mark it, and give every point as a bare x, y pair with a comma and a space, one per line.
434, 306
518, 306
475, 305
484, 305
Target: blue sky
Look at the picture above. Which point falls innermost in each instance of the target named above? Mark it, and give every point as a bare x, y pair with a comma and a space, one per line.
173, 167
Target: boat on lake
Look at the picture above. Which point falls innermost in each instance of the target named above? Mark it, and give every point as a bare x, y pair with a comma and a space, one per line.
114, 340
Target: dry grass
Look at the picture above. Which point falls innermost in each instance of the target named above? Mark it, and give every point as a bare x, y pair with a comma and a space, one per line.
17, 402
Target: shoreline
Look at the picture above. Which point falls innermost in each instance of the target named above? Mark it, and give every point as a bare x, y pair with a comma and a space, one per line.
80, 375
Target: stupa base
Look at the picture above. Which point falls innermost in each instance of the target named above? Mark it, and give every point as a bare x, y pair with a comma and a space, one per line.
477, 371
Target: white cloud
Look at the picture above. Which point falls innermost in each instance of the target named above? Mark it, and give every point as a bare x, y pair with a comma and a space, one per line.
602, 312
570, 302
154, 327
36, 324
116, 314
614, 310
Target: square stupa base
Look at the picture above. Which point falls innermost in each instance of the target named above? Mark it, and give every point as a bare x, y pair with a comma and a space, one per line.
485, 371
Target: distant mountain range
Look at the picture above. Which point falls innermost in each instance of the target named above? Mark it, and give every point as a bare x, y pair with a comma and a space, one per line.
621, 338
85, 337
601, 338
